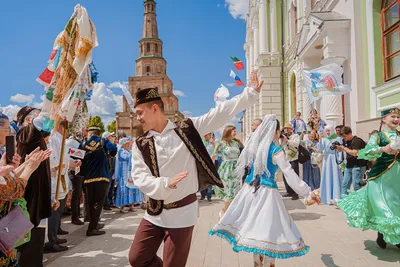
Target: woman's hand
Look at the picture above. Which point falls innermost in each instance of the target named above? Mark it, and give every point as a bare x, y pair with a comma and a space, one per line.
7, 168
388, 150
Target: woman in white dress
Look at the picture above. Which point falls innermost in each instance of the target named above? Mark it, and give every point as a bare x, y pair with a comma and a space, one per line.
257, 221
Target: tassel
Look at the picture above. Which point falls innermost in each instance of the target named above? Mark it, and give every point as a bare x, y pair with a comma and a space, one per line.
256, 183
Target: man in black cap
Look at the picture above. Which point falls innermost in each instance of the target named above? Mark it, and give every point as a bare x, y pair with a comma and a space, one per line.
95, 169
170, 164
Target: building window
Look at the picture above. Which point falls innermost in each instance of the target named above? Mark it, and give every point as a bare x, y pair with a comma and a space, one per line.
295, 19
148, 48
391, 38
156, 48
147, 69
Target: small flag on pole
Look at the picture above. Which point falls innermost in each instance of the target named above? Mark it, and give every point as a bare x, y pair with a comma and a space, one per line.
238, 63
237, 79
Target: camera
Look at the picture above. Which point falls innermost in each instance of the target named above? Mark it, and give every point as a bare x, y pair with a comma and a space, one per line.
335, 145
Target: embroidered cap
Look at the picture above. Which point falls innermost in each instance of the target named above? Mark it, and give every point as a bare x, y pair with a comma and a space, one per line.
390, 111
146, 95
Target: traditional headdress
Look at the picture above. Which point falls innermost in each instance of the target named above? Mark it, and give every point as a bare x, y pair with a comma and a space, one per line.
256, 151
146, 95
390, 111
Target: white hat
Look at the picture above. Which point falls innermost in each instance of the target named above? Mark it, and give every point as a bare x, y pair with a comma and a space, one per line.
107, 134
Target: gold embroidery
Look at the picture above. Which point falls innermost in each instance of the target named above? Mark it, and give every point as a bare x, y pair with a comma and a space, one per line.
157, 208
97, 180
194, 151
391, 165
91, 147
152, 94
150, 141
170, 205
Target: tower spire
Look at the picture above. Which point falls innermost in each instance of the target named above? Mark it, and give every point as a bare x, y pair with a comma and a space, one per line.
150, 46
150, 28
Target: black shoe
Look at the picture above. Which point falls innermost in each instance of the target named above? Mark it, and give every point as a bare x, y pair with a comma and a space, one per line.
62, 232
398, 245
202, 198
287, 195
295, 197
54, 248
87, 220
209, 201
100, 226
76, 221
107, 208
381, 243
61, 241
95, 232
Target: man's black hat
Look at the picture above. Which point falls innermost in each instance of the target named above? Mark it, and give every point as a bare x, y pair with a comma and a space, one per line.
146, 95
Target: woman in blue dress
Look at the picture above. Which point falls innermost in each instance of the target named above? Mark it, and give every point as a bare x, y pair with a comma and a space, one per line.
311, 175
331, 177
127, 195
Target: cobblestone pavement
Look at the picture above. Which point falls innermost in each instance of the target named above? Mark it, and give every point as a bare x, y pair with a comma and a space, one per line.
324, 228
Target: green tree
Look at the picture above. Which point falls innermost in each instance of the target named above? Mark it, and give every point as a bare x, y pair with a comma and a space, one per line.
96, 121
112, 128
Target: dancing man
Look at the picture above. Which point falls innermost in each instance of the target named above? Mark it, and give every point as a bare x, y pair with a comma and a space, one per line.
170, 164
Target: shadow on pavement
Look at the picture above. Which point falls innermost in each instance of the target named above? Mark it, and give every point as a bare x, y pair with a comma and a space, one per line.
390, 254
306, 216
328, 260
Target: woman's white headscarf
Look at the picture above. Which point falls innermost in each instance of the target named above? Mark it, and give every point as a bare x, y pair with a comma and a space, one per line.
256, 151
331, 128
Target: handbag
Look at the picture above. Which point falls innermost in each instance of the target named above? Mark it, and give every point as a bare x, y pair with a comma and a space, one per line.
14, 228
304, 155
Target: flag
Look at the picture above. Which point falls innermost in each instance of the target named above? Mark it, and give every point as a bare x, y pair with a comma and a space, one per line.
221, 94
237, 79
238, 63
325, 80
127, 94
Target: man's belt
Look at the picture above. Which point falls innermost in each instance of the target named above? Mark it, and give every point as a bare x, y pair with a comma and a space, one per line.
181, 203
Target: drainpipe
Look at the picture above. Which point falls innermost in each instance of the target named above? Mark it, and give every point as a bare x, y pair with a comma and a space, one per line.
282, 62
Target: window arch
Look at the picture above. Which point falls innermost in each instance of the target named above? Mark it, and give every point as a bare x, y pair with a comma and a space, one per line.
147, 47
147, 69
390, 22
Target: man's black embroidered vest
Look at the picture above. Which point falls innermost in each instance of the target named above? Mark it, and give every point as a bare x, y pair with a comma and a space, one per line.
206, 171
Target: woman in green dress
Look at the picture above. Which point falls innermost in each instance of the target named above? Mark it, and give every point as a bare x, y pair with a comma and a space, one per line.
377, 205
229, 148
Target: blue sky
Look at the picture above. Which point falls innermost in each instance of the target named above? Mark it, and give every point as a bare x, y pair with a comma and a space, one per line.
198, 36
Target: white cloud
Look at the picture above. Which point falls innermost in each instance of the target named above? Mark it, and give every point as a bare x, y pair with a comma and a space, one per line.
179, 93
10, 110
20, 98
187, 113
104, 103
238, 8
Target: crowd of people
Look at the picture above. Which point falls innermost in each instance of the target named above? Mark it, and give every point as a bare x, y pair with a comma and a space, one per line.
46, 186
162, 170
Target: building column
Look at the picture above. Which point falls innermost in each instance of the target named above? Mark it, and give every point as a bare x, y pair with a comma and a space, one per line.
256, 43
274, 27
251, 52
262, 15
247, 64
332, 104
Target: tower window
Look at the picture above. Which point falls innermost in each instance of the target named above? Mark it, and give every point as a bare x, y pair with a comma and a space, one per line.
148, 48
156, 48
148, 69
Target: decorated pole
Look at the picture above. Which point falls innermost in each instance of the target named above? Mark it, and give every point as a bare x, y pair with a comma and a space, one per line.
69, 78
60, 165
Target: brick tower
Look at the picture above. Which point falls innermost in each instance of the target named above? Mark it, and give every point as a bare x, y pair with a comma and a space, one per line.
151, 71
